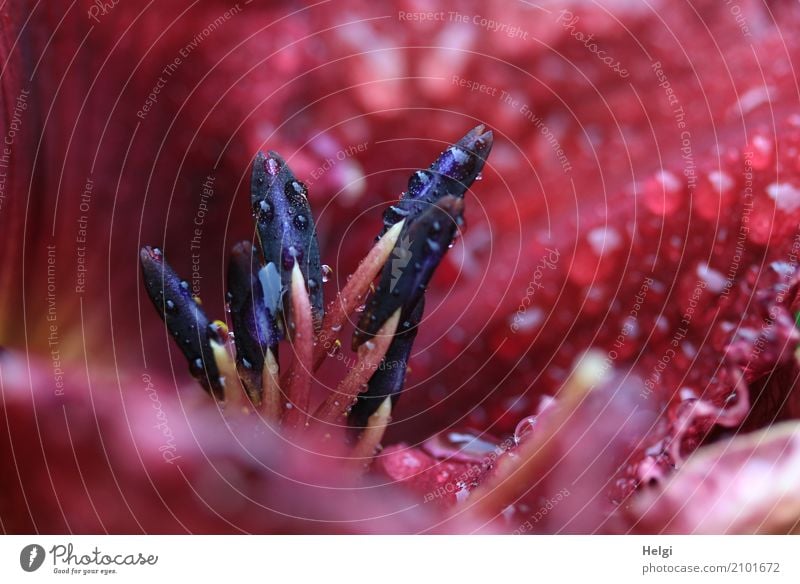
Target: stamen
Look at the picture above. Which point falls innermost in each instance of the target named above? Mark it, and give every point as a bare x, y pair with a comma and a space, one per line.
420, 247
369, 441
280, 293
233, 389
286, 229
254, 326
370, 354
388, 380
451, 174
184, 318
298, 378
354, 292
271, 405
514, 475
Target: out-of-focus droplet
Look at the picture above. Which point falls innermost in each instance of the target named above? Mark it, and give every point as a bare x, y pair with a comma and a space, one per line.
663, 193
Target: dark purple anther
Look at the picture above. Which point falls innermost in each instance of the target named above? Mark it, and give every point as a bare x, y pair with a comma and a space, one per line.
418, 251
285, 227
390, 376
452, 174
254, 326
184, 319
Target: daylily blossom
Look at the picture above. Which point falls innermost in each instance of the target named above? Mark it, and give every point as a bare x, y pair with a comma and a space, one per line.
609, 346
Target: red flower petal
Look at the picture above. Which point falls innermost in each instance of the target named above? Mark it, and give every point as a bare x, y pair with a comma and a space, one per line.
744, 485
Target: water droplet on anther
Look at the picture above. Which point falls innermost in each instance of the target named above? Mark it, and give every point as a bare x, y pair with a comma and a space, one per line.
295, 187
272, 167
264, 212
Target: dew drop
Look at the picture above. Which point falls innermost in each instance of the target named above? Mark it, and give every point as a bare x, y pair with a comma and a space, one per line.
603, 240
761, 149
369, 345
272, 167
463, 446
300, 221
526, 321
524, 429
264, 211
785, 195
170, 305
663, 193
714, 280
299, 188
335, 348
459, 155
326, 273
722, 181
184, 285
